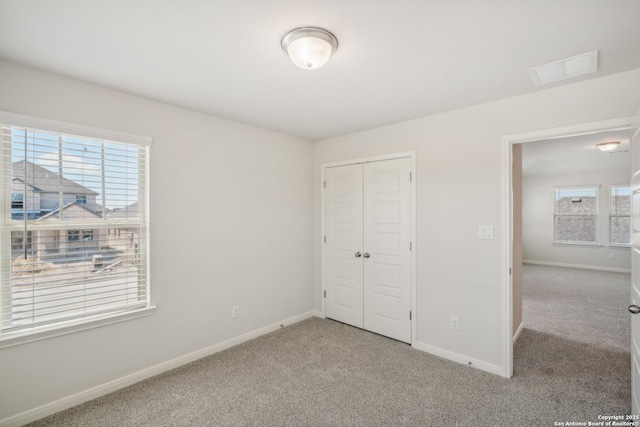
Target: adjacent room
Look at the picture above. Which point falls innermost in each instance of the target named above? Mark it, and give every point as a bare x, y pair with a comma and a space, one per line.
576, 201
314, 212
576, 239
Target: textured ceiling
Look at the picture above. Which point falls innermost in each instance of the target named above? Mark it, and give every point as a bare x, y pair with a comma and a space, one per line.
397, 59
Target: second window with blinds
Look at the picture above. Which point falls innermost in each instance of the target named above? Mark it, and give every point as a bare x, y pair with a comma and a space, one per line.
620, 216
576, 213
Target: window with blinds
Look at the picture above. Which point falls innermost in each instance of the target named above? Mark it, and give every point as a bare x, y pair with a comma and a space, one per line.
620, 216
576, 215
73, 238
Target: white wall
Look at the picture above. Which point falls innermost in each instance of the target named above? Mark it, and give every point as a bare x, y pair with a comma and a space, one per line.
538, 222
459, 160
245, 240
265, 188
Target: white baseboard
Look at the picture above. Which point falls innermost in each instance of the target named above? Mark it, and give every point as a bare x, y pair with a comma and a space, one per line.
586, 267
318, 313
100, 390
455, 357
518, 332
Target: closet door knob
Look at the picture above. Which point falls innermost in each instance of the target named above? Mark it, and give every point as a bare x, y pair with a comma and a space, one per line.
358, 254
366, 255
634, 309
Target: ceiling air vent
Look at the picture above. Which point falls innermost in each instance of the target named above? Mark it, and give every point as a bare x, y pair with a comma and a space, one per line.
569, 68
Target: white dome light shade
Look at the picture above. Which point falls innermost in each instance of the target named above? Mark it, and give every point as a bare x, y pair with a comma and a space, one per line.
309, 48
309, 53
608, 146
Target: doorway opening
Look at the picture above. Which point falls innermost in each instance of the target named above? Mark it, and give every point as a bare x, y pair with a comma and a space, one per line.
512, 146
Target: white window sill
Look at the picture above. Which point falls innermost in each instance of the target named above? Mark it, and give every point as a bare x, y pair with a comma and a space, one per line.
12, 339
582, 245
619, 246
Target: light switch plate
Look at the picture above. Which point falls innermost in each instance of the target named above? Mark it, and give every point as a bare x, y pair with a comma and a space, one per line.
485, 232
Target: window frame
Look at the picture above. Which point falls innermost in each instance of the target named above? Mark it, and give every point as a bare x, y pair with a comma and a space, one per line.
596, 216
16, 200
619, 245
7, 225
73, 235
86, 234
80, 235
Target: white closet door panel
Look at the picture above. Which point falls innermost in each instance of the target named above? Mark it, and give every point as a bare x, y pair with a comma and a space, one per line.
343, 271
387, 236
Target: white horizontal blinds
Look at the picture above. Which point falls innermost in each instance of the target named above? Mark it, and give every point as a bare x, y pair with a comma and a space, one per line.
620, 216
575, 219
73, 231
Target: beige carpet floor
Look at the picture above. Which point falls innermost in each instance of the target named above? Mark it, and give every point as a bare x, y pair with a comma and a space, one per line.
572, 363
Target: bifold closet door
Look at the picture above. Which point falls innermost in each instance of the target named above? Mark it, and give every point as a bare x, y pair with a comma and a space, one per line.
367, 261
343, 270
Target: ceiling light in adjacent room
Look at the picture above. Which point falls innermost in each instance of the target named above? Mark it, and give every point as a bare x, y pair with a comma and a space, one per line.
608, 146
569, 68
309, 48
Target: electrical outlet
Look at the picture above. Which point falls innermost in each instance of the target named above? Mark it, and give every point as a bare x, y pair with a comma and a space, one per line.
455, 323
235, 311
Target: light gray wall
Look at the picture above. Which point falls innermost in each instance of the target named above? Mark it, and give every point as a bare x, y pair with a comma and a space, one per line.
246, 243
252, 243
459, 163
538, 221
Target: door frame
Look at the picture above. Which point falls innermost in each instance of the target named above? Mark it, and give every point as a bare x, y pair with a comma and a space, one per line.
506, 149
390, 156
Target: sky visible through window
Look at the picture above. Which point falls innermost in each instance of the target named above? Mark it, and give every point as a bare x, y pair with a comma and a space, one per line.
108, 168
621, 191
575, 192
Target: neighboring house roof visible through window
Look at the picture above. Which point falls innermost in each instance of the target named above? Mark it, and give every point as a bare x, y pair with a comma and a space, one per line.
71, 211
42, 179
130, 211
100, 208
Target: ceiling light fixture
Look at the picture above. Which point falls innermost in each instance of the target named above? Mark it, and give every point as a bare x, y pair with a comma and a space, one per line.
608, 146
309, 48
